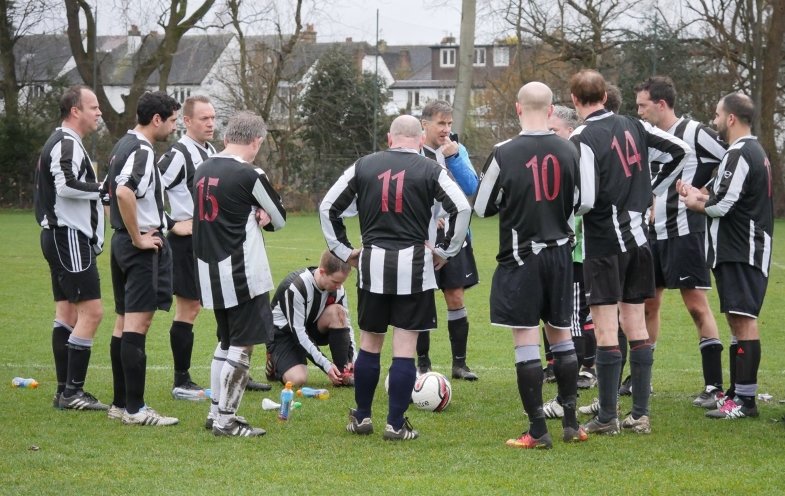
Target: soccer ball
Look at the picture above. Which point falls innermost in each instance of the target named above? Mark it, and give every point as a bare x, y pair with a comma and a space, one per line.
432, 392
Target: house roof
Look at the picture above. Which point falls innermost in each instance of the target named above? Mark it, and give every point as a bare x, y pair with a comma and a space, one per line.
40, 57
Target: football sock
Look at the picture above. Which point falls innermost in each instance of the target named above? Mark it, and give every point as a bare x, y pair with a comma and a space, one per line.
118, 377
641, 361
530, 375
623, 350
711, 361
591, 347
233, 378
60, 334
339, 342
181, 339
219, 357
732, 351
134, 369
78, 359
458, 328
747, 363
366, 377
423, 344
579, 342
608, 365
403, 374
565, 368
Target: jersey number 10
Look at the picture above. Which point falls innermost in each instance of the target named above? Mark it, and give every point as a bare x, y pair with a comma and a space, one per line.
540, 173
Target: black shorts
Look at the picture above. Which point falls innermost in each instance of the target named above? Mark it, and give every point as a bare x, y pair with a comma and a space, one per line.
741, 288
141, 279
540, 289
413, 312
247, 324
581, 314
72, 265
183, 271
680, 263
627, 277
460, 271
286, 351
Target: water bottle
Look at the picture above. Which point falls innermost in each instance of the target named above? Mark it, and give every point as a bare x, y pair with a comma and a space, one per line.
20, 382
307, 392
287, 395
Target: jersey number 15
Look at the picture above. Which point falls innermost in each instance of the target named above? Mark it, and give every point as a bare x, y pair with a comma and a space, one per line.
205, 196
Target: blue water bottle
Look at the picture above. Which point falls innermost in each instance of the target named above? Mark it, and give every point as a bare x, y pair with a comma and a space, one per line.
287, 395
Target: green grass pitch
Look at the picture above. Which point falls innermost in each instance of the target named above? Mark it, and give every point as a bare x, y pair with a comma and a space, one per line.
460, 451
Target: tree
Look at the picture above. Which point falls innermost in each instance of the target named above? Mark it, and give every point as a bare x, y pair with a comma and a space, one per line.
146, 63
337, 112
463, 87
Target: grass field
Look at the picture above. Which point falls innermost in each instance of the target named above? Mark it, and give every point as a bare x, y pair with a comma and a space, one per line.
461, 451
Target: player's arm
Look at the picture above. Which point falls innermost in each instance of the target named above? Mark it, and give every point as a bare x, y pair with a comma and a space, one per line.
669, 151
270, 201
172, 167
732, 175
135, 171
340, 197
490, 193
709, 149
295, 306
463, 171
344, 301
588, 172
456, 204
66, 159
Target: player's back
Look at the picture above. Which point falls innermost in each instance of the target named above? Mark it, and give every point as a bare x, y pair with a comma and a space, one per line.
395, 193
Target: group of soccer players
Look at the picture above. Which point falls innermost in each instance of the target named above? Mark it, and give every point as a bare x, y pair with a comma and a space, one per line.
599, 213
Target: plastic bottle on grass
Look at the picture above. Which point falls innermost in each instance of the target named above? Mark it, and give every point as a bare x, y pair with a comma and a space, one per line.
287, 395
307, 392
21, 382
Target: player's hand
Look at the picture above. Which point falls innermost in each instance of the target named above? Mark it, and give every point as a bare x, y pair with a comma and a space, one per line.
440, 223
149, 241
183, 227
335, 375
354, 258
438, 262
689, 194
450, 148
262, 217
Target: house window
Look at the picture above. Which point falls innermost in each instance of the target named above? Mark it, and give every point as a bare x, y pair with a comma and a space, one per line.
445, 95
180, 94
448, 57
413, 99
479, 57
501, 56
35, 91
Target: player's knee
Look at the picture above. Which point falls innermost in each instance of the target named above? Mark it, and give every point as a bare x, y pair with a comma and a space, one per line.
454, 298
297, 375
333, 317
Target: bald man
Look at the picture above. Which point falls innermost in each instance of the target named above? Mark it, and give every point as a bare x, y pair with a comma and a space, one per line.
393, 192
533, 279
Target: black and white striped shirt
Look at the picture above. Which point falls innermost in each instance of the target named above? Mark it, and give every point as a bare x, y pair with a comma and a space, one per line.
393, 192
132, 164
298, 303
231, 259
66, 187
530, 182
671, 217
616, 181
177, 172
740, 207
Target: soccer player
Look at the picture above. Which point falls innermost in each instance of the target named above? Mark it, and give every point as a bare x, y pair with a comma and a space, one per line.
178, 166
677, 234
233, 273
461, 273
393, 192
68, 208
530, 182
740, 212
563, 121
616, 187
310, 309
141, 259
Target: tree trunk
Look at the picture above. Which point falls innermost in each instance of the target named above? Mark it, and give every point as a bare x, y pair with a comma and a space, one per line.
9, 86
463, 86
772, 60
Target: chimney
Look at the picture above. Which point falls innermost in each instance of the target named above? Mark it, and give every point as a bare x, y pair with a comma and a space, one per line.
134, 39
404, 61
309, 35
382, 47
348, 39
448, 40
